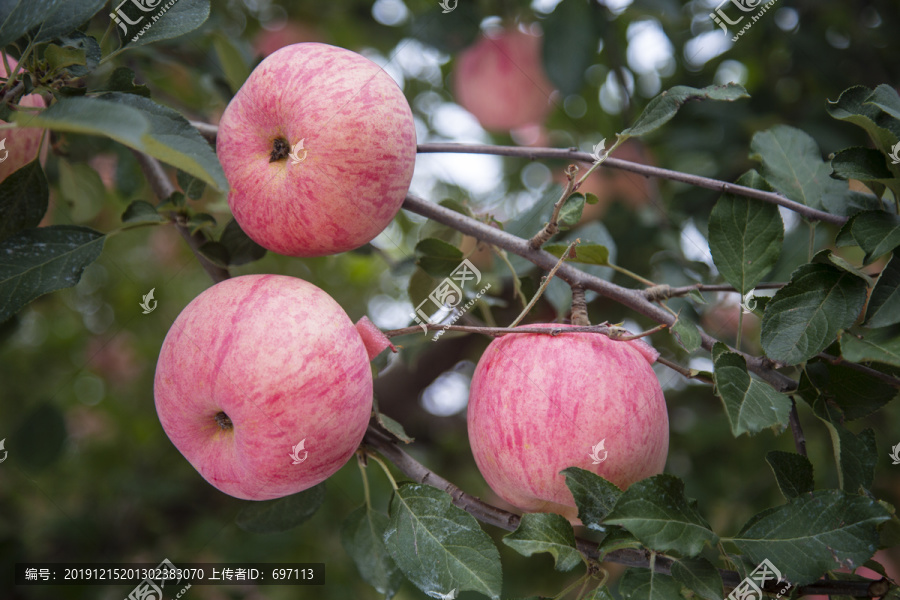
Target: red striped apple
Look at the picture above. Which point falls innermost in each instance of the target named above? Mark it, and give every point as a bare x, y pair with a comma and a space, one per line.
539, 404
18, 147
263, 384
318, 147
501, 81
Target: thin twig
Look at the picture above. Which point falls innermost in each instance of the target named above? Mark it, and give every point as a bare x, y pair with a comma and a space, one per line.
552, 227
603, 328
633, 299
811, 214
491, 515
207, 130
163, 188
544, 283
796, 430
662, 292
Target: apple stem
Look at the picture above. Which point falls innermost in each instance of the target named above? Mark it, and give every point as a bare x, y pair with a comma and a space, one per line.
223, 421
280, 149
579, 307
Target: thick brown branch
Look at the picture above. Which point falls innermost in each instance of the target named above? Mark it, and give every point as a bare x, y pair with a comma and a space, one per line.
163, 188
491, 515
811, 214
796, 430
633, 299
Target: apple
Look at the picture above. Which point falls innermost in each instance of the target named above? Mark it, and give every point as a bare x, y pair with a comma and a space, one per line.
539, 404
501, 81
20, 146
318, 147
262, 371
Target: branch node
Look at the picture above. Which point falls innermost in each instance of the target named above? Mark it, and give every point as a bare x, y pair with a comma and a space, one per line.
658, 293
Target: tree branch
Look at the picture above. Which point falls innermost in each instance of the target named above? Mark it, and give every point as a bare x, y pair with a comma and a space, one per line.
633, 299
491, 515
163, 188
811, 214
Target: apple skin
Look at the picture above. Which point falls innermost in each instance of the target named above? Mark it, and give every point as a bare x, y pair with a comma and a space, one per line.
22, 144
283, 361
539, 403
501, 81
359, 143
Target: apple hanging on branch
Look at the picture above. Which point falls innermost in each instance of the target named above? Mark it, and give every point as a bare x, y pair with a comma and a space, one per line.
540, 404
318, 147
263, 384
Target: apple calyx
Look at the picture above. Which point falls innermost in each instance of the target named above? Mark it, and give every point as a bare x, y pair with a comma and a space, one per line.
373, 339
280, 149
224, 422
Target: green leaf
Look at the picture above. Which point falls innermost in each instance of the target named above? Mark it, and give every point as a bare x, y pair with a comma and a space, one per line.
588, 254
590, 198
884, 303
38, 440
393, 427
745, 236
232, 61
67, 17
362, 536
23, 199
82, 189
854, 106
616, 539
546, 532
641, 584
699, 576
18, 17
122, 80
830, 258
38, 261
793, 165
804, 316
855, 455
878, 345
663, 107
192, 187
138, 123
184, 16
142, 212
864, 164
875, 231
600, 593
793, 472
241, 249
656, 511
59, 58
215, 253
750, 404
849, 202
686, 333
421, 284
437, 257
570, 213
815, 533
594, 496
571, 36
281, 514
86, 53
857, 394
200, 221
438, 546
